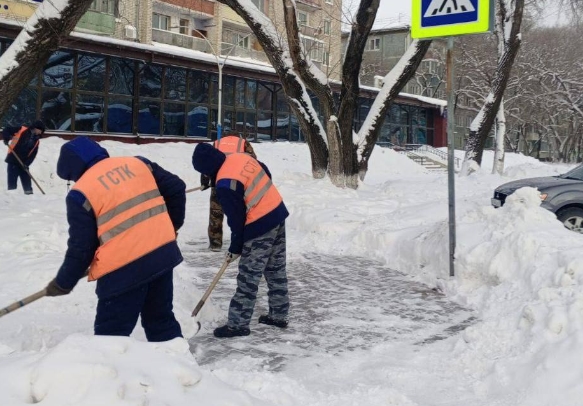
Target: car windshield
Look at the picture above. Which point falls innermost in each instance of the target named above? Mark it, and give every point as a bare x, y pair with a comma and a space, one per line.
576, 173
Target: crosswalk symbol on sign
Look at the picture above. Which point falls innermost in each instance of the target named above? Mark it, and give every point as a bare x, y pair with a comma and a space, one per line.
446, 18
448, 7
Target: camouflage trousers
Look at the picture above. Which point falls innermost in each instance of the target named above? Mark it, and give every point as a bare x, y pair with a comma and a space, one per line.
264, 255
215, 230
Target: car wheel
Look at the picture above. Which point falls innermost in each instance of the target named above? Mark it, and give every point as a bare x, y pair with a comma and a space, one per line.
572, 218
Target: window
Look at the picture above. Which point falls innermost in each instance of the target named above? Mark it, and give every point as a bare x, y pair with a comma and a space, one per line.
241, 39
326, 58
184, 26
374, 44
259, 4
104, 6
303, 18
327, 27
160, 21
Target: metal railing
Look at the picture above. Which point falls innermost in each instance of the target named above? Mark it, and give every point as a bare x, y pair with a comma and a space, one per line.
242, 52
413, 150
180, 40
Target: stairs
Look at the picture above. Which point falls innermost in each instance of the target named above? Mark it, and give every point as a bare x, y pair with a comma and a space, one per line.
426, 162
431, 158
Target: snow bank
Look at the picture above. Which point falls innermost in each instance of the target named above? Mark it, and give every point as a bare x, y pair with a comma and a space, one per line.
112, 371
517, 267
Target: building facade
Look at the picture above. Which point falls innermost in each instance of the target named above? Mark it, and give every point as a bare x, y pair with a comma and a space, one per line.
118, 87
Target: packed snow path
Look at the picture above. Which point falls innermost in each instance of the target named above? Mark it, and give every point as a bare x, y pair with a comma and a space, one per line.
338, 304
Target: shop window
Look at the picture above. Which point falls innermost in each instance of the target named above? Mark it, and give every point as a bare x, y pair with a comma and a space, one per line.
91, 73
197, 121
120, 115
150, 80
22, 110
174, 119
121, 76
175, 84
149, 117
89, 113
58, 71
240, 93
228, 90
251, 94
198, 87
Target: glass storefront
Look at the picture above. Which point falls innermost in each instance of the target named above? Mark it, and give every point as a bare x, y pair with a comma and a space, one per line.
91, 93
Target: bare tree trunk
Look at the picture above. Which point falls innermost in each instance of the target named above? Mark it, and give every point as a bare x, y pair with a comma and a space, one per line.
333, 147
498, 166
394, 82
508, 21
30, 51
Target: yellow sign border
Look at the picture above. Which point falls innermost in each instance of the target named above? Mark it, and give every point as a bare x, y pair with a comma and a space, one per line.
482, 25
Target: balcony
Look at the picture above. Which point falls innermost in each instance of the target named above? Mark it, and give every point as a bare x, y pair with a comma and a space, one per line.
310, 3
202, 6
242, 52
180, 40
310, 31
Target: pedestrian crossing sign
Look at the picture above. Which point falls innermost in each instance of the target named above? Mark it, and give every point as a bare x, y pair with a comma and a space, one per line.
445, 18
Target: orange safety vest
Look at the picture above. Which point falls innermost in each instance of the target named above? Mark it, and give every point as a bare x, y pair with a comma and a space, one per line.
261, 196
230, 144
132, 218
16, 138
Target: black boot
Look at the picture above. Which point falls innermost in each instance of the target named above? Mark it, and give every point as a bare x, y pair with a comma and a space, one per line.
270, 321
226, 332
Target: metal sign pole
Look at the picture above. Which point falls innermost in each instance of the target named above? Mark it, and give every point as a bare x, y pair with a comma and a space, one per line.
450, 152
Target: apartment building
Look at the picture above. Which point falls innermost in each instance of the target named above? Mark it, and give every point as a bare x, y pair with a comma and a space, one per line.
146, 71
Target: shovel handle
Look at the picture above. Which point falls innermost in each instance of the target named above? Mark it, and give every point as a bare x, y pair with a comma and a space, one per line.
23, 302
210, 288
194, 189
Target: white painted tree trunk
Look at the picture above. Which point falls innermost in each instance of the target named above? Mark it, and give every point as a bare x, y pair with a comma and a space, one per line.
498, 166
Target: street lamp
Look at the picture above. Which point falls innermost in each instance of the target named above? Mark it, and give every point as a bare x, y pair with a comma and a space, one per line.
220, 64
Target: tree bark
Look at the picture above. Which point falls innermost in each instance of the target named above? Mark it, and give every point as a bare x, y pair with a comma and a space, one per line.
32, 48
506, 20
393, 84
334, 145
498, 166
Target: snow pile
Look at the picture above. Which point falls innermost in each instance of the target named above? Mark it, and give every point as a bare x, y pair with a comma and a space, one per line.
113, 371
517, 267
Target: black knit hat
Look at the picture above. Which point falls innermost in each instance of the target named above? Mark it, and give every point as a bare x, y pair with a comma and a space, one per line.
39, 125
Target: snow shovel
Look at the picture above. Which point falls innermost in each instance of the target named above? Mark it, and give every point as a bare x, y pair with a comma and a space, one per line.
26, 169
23, 302
194, 189
208, 291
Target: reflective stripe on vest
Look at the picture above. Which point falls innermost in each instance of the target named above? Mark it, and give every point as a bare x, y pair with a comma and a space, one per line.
16, 138
131, 215
261, 196
230, 145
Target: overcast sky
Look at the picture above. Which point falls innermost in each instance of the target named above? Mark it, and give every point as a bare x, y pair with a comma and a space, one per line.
390, 11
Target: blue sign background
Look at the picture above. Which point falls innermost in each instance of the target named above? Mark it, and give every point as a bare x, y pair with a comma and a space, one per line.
468, 17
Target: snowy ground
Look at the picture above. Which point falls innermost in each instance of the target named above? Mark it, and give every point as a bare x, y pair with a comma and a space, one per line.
375, 319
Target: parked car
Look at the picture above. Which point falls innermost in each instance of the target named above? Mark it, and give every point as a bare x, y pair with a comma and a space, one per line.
563, 195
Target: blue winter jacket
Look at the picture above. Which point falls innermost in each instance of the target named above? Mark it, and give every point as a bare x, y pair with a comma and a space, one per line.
75, 158
208, 160
26, 149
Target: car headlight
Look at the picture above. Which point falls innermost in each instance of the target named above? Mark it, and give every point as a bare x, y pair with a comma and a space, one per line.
543, 196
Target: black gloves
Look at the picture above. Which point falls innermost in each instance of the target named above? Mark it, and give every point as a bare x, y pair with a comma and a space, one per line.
55, 290
205, 182
230, 257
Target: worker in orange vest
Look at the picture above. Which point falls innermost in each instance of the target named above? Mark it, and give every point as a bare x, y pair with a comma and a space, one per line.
23, 143
228, 144
124, 214
256, 215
